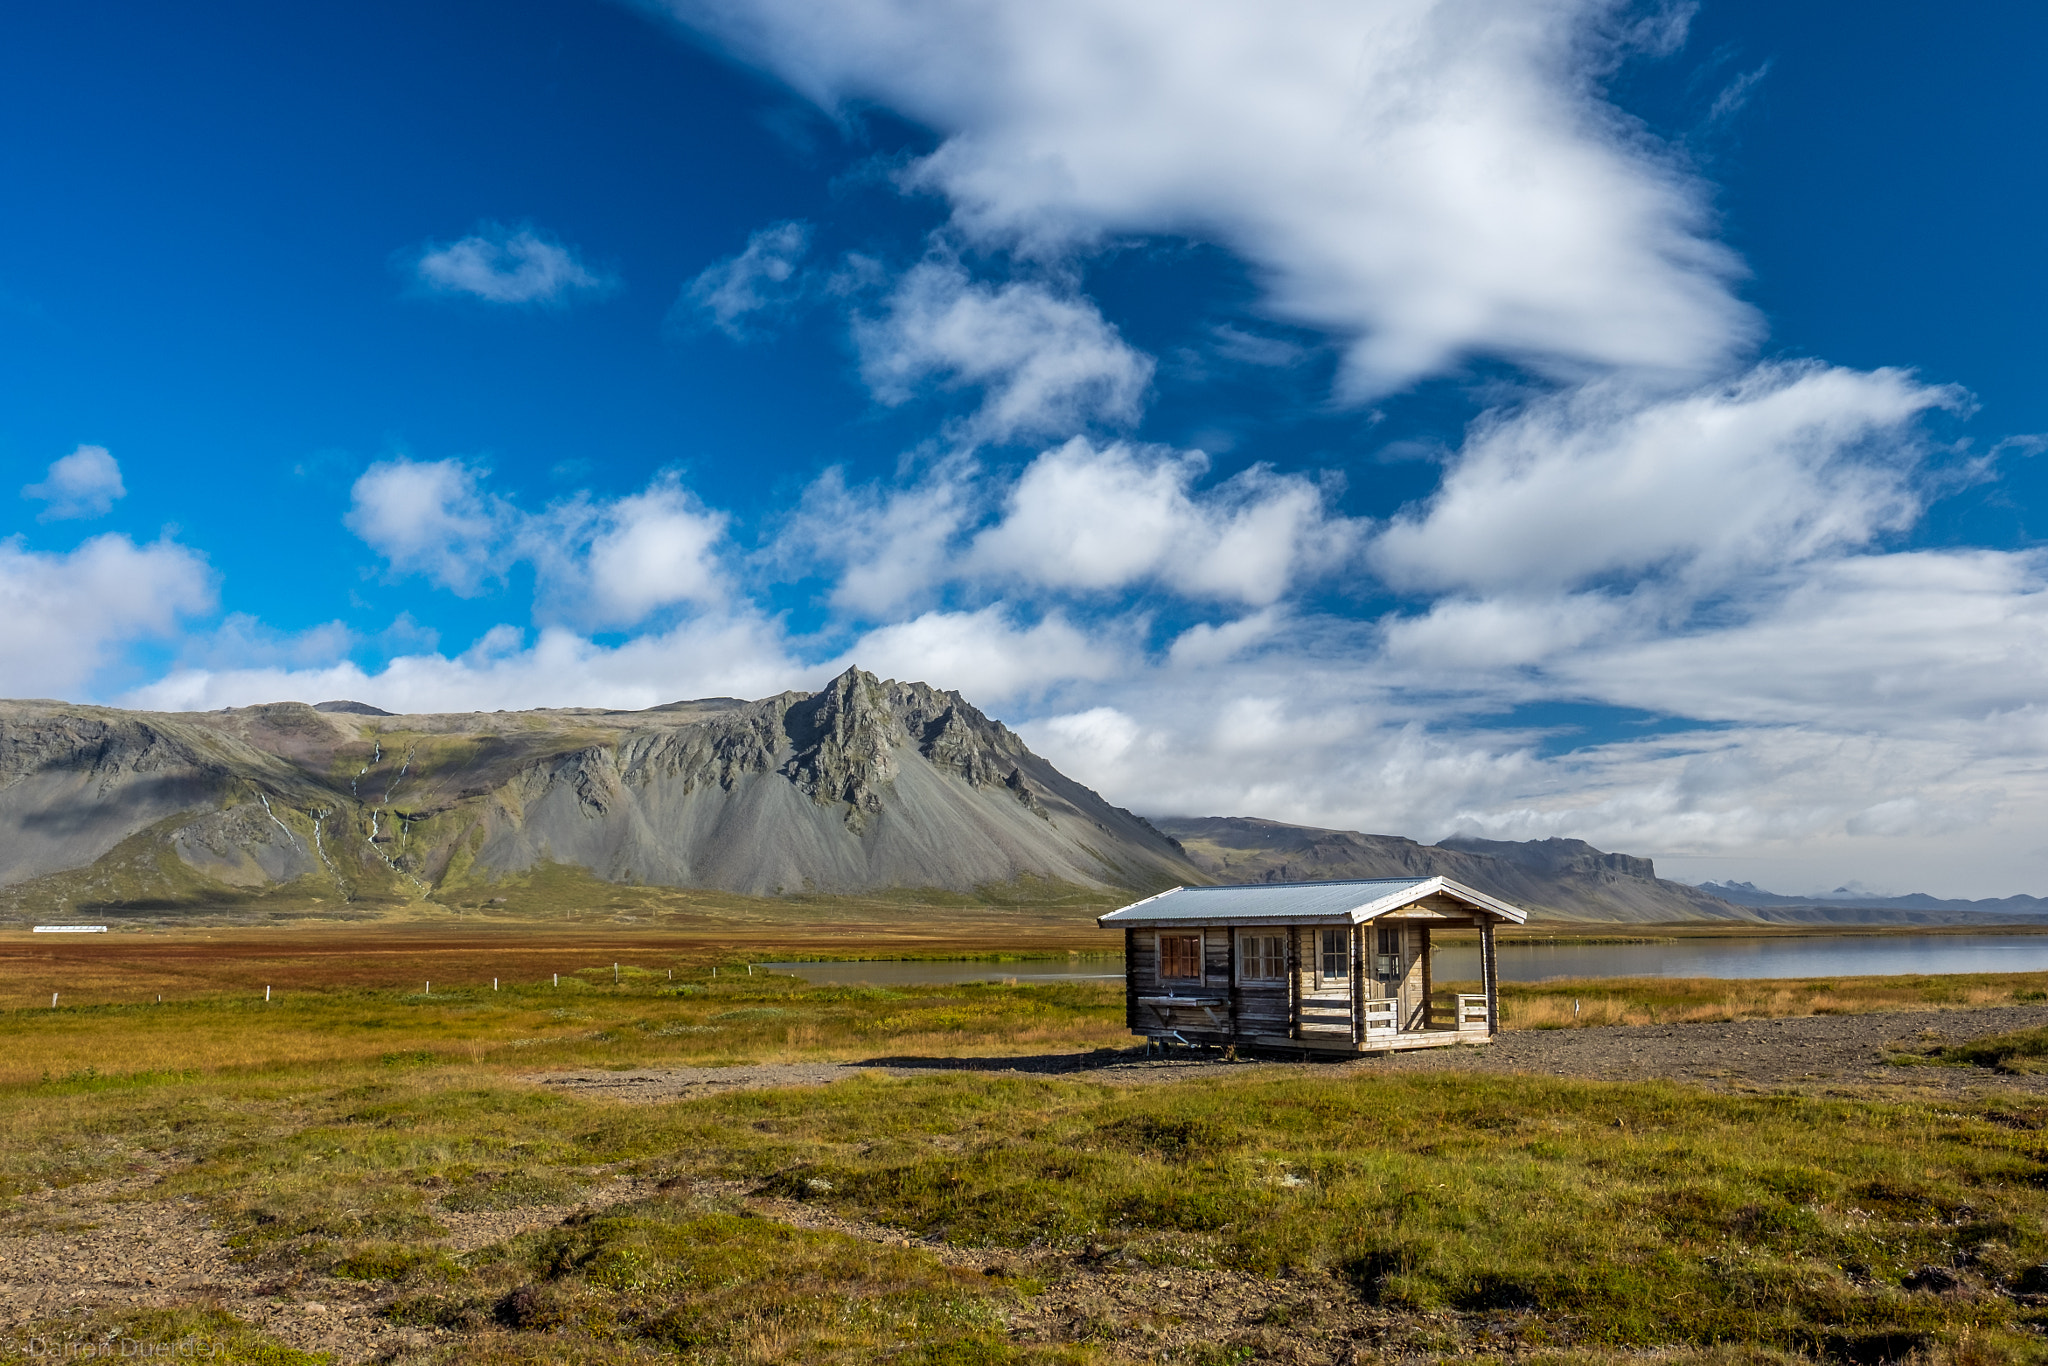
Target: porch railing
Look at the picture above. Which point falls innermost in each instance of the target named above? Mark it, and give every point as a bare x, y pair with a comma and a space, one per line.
1460, 1012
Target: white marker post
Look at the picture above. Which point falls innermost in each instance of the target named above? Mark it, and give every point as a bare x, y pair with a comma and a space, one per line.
266, 995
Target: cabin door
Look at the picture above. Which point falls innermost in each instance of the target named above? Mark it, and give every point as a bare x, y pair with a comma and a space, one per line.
1390, 969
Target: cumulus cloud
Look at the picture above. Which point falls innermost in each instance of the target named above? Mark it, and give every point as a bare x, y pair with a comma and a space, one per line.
762, 279
986, 656
69, 615
1783, 463
617, 563
1088, 519
884, 545
1047, 362
82, 484
432, 517
600, 563
1422, 180
1079, 519
508, 266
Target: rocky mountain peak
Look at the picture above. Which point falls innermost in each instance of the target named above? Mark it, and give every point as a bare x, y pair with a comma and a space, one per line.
847, 735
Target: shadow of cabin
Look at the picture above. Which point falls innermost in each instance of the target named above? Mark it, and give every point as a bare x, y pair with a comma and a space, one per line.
1338, 966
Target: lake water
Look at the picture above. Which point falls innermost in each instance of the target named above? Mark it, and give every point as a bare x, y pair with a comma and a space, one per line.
1814, 957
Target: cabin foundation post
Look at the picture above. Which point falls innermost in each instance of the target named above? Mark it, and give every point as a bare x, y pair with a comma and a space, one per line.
1490, 972
1428, 987
1293, 982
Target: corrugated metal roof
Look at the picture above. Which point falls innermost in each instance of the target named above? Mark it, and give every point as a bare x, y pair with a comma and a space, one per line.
1264, 900
1299, 901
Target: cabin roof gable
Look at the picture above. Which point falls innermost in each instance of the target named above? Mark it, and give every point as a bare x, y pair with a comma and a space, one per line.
1305, 903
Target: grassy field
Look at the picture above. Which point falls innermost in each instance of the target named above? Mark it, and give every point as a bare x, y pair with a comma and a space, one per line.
334, 1130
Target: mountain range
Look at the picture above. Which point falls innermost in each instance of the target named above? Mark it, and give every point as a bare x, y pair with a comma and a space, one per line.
866, 786
1842, 898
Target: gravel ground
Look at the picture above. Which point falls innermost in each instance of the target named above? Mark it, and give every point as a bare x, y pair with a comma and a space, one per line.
1820, 1053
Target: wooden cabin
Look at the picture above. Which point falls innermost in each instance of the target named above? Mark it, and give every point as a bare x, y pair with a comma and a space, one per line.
1343, 966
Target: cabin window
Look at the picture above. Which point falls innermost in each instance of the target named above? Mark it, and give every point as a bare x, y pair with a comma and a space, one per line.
1180, 956
1389, 961
1261, 957
1336, 955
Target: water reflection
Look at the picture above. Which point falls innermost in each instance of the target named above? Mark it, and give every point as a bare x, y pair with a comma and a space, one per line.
1817, 956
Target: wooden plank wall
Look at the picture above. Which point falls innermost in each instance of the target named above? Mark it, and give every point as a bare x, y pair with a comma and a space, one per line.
1216, 960
1134, 974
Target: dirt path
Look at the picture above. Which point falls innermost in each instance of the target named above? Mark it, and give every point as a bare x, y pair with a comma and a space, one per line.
1820, 1053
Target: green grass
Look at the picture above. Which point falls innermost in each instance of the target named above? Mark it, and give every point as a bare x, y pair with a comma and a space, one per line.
2021, 1053
1622, 1217
586, 1021
193, 1334
340, 1133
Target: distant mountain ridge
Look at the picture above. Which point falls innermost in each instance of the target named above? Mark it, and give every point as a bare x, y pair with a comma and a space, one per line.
1555, 878
2009, 907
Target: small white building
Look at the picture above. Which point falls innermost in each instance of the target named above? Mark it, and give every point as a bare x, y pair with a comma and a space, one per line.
1343, 966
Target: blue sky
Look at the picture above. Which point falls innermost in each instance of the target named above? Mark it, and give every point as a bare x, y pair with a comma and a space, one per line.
1503, 418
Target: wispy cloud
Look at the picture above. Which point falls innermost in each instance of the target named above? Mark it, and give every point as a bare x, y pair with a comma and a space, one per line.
82, 484
737, 293
509, 266
1736, 94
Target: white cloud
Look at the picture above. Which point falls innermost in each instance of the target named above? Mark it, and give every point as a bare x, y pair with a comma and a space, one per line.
1460, 638
1310, 729
505, 266
69, 615
1892, 644
1206, 644
432, 518
1782, 464
1079, 519
1421, 179
885, 545
729, 656
983, 655
84, 483
242, 640
761, 279
598, 563
617, 563
1089, 519
1048, 363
